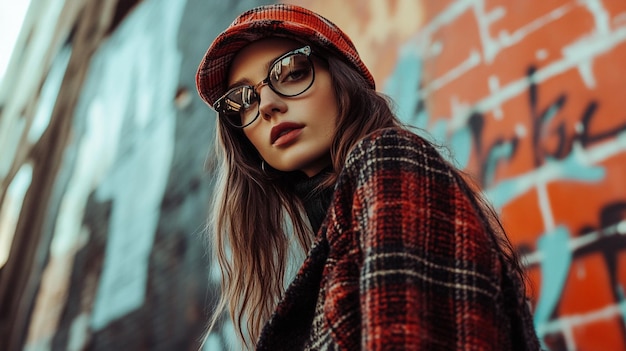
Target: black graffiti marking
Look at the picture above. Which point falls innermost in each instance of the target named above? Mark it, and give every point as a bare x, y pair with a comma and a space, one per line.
609, 244
541, 117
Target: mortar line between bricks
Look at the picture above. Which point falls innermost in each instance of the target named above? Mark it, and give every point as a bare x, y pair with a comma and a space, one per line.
575, 320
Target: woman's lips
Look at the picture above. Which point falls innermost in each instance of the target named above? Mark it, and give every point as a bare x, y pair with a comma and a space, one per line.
285, 133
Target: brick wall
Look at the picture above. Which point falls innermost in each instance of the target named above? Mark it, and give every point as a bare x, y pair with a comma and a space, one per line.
527, 96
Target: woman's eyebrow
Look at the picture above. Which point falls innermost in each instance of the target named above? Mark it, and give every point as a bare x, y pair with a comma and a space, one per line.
239, 82
246, 81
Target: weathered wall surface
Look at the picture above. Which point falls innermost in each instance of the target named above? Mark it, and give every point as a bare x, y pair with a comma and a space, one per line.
113, 223
113, 190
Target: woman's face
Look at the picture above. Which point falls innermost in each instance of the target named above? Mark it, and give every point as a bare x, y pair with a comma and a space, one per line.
291, 133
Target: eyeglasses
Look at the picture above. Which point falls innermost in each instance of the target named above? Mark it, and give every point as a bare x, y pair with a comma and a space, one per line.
289, 75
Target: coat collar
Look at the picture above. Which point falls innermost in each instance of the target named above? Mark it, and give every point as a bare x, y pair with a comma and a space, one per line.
290, 324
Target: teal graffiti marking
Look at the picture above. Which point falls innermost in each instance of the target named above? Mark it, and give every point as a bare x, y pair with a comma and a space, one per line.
556, 258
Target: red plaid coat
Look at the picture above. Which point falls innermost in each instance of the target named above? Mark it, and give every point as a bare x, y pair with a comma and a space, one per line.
401, 262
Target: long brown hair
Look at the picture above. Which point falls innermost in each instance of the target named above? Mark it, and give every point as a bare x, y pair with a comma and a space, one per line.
250, 207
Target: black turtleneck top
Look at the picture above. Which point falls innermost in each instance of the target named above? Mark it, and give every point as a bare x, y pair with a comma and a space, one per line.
315, 200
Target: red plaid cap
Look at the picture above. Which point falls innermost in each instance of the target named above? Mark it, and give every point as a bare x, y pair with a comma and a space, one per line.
278, 20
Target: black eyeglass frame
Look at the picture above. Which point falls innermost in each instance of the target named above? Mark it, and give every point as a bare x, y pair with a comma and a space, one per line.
223, 108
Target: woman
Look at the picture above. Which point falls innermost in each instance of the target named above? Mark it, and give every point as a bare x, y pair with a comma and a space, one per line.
400, 252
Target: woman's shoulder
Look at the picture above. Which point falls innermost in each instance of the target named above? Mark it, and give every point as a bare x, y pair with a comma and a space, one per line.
387, 143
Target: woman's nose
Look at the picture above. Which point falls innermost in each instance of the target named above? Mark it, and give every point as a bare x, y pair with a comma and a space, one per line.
270, 103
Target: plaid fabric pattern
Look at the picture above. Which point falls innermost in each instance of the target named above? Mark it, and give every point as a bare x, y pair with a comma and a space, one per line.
278, 20
401, 262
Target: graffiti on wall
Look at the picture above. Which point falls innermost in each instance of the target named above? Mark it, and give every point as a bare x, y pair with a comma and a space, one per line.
526, 97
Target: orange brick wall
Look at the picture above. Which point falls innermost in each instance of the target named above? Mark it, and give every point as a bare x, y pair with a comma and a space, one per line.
528, 96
